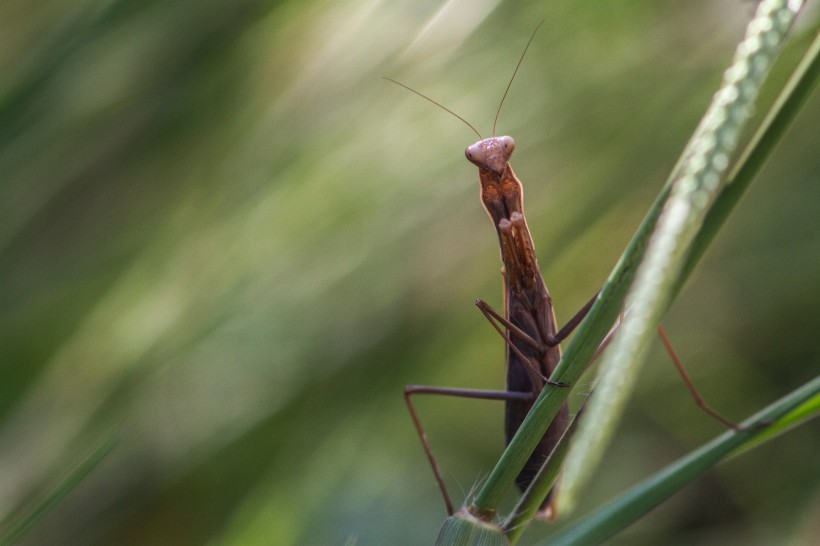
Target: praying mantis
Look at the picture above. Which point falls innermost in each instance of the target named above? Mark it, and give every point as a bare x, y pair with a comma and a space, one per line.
527, 325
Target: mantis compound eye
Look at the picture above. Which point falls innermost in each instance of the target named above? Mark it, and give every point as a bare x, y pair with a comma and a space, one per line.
475, 153
507, 143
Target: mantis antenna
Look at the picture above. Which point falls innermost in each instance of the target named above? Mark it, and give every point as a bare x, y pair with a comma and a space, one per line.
500, 104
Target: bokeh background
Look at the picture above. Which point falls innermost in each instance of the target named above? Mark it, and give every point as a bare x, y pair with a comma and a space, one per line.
225, 237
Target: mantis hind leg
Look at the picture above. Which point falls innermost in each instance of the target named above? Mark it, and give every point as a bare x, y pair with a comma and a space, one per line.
690, 385
410, 390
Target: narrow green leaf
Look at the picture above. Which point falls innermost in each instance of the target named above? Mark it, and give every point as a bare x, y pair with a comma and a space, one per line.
464, 529
774, 125
610, 301
630, 506
694, 189
17, 529
771, 130
531, 500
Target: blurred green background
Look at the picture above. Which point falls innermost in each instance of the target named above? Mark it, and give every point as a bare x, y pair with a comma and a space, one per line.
224, 235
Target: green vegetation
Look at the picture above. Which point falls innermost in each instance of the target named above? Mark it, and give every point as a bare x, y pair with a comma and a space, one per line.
225, 236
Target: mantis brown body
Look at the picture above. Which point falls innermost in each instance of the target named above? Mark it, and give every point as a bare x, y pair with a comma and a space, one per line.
533, 349
528, 324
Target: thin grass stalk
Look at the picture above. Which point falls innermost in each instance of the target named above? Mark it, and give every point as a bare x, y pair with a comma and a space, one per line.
604, 522
769, 133
16, 527
581, 348
693, 192
583, 345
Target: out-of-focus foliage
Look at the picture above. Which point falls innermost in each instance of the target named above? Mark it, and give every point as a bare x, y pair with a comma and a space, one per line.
223, 234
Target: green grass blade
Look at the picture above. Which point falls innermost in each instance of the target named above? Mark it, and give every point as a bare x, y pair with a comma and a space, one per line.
608, 520
19, 528
779, 118
694, 189
464, 529
584, 343
531, 500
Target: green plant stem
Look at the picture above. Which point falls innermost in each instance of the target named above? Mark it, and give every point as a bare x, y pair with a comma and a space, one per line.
771, 131
527, 506
18, 529
693, 193
630, 506
604, 312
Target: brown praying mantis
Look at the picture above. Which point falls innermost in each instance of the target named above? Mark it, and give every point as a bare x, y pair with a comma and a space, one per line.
528, 324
